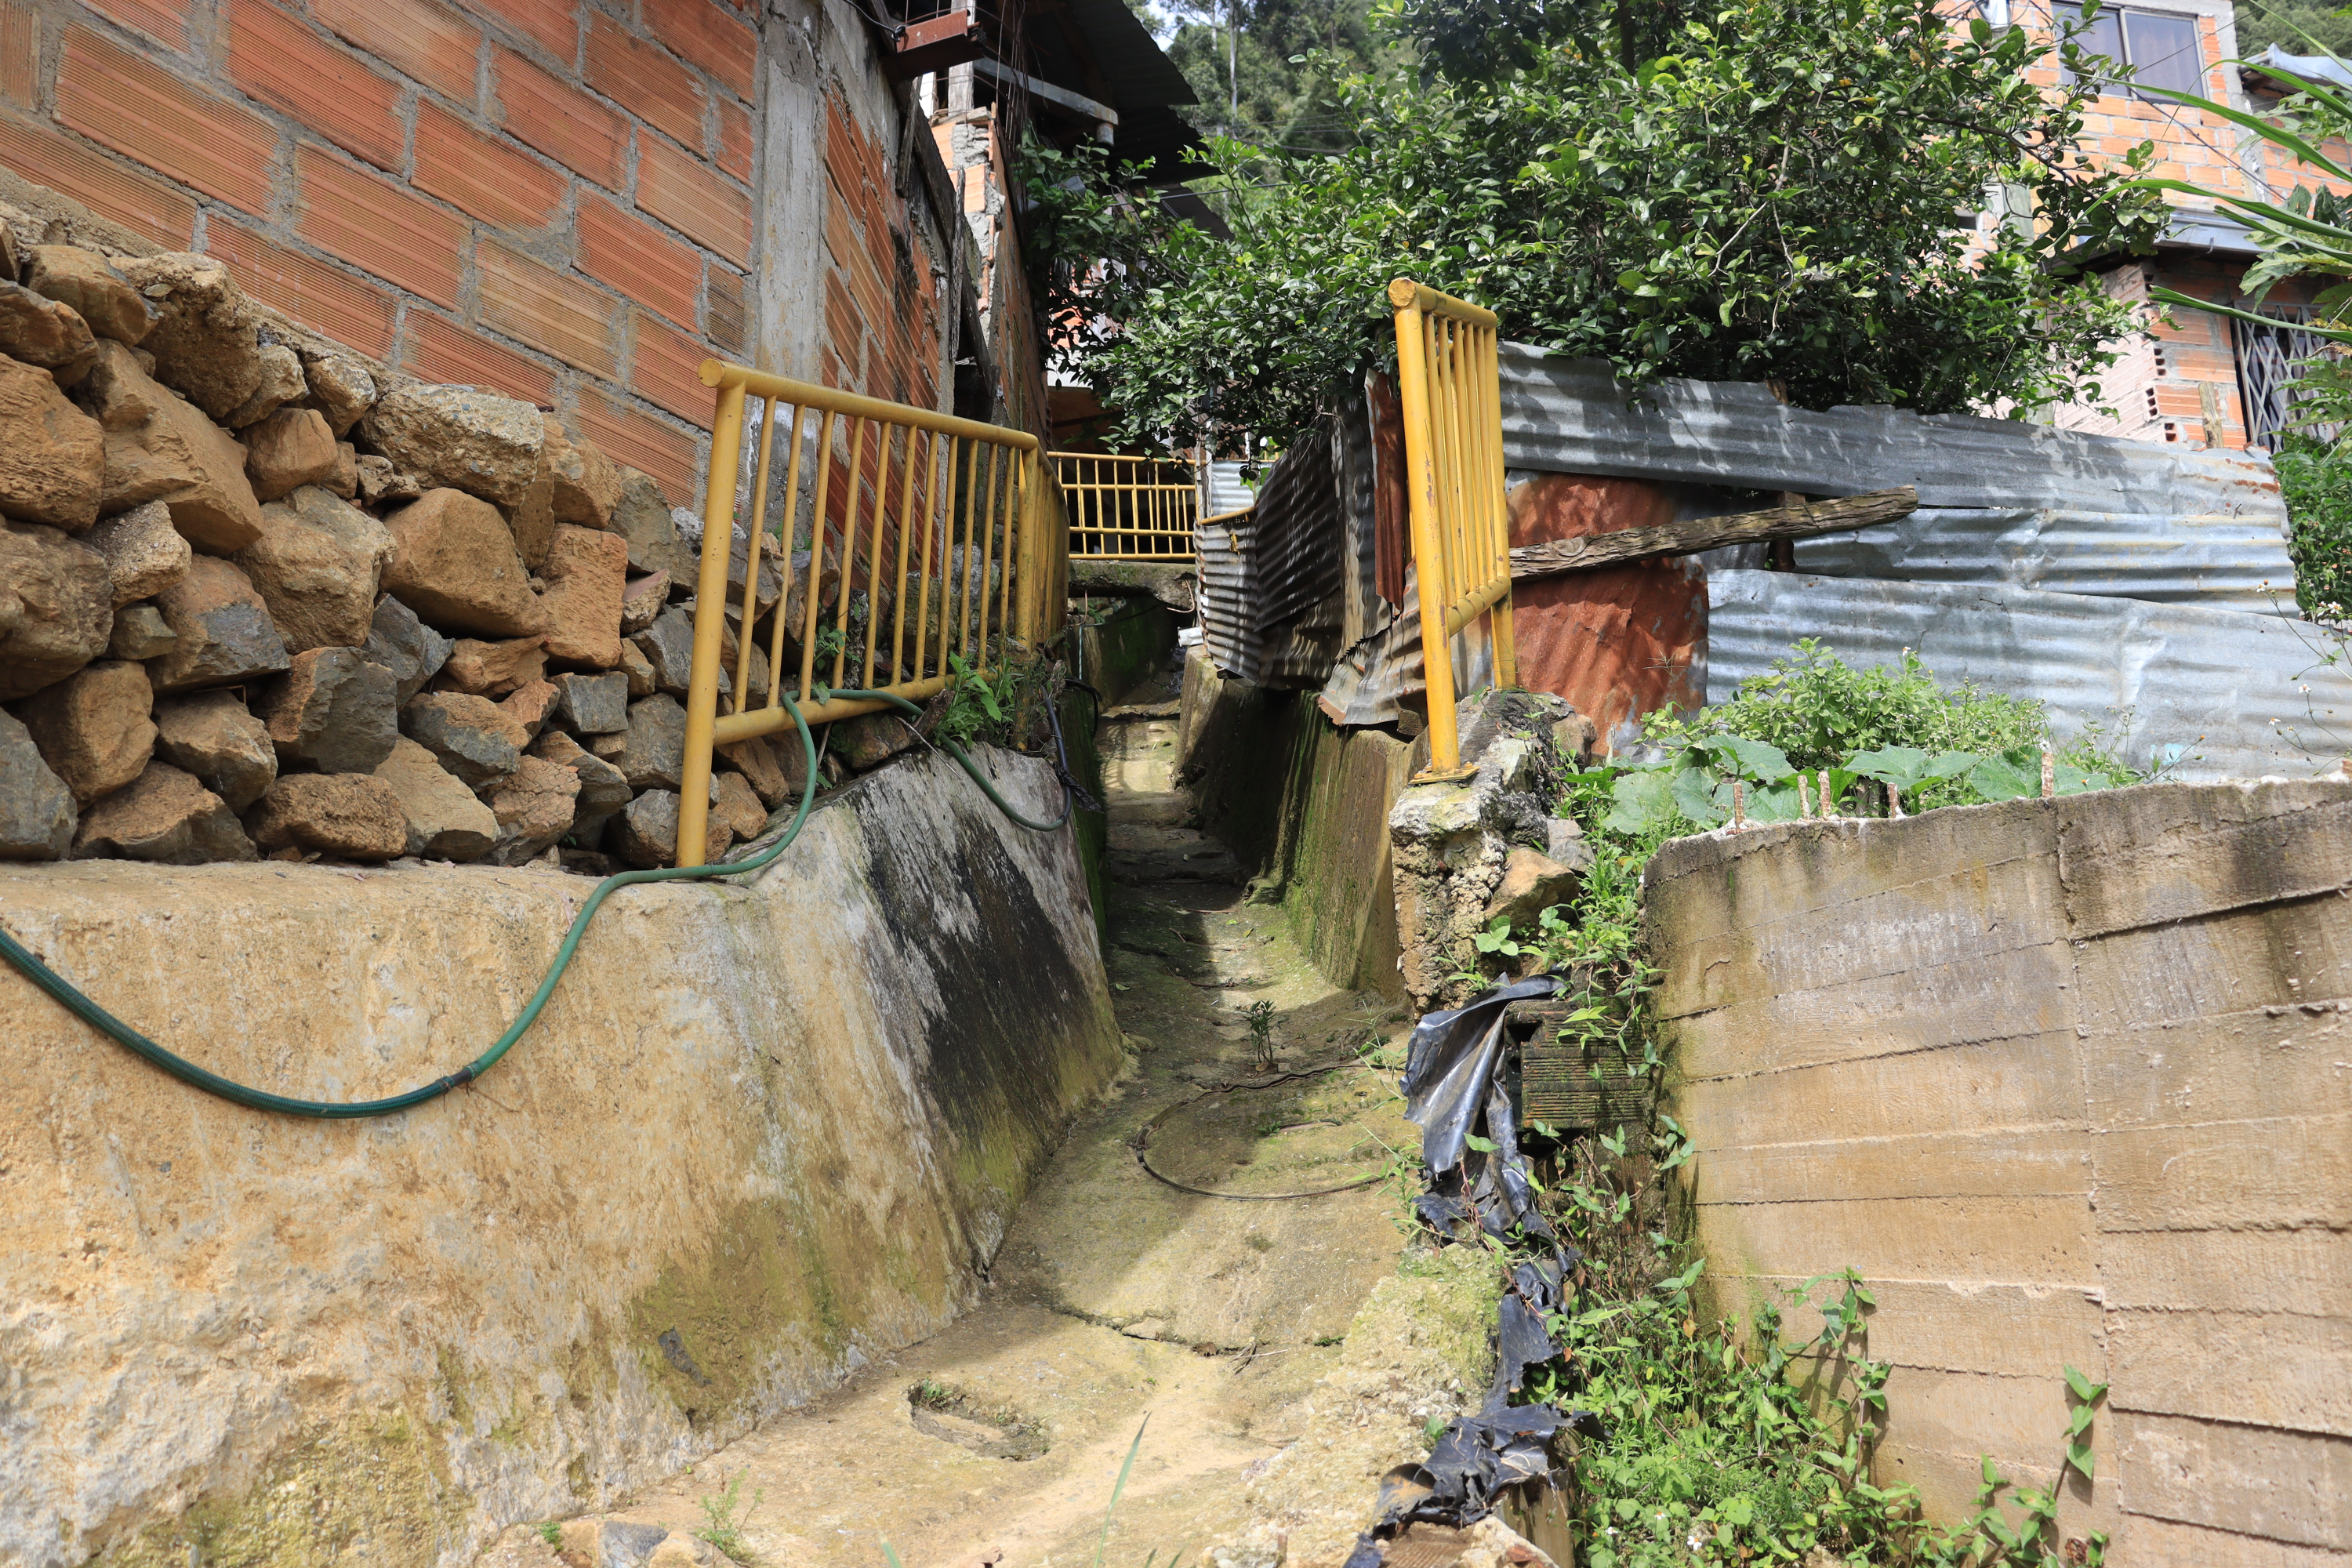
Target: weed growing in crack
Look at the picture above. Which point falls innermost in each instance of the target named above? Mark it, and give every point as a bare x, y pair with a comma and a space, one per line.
725, 1515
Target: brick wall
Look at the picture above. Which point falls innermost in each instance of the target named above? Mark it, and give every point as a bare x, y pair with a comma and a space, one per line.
546, 197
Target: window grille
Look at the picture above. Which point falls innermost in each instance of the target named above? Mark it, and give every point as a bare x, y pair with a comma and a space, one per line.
2270, 362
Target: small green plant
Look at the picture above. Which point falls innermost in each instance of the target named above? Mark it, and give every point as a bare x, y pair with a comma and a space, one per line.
552, 1533
725, 1515
935, 1396
1261, 1028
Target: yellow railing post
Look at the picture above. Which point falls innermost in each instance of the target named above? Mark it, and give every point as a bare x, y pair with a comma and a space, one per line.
710, 618
1449, 389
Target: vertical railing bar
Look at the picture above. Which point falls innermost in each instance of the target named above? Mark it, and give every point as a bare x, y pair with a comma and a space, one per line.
963, 567
931, 505
987, 556
711, 618
906, 543
817, 556
849, 550
1413, 398
874, 550
808, 590
740, 699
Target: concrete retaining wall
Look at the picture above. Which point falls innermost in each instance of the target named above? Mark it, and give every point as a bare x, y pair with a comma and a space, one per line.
2068, 1083
762, 1134
1304, 805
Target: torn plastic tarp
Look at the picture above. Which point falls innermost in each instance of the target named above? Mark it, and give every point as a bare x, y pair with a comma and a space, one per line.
1452, 1089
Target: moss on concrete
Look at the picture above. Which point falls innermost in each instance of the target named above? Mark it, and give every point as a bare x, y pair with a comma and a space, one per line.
370, 1488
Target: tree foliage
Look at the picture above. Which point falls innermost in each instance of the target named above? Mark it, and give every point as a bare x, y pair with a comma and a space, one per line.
2298, 26
1784, 190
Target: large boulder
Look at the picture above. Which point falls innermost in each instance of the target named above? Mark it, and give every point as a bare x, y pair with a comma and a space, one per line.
292, 447
406, 646
56, 607
454, 562
92, 285
586, 483
36, 809
349, 815
141, 633
160, 448
315, 565
331, 711
586, 572
472, 736
281, 383
211, 735
653, 751
41, 331
641, 515
468, 439
163, 815
144, 553
95, 726
52, 455
493, 669
207, 339
225, 636
446, 821
535, 806
340, 384
645, 835
592, 704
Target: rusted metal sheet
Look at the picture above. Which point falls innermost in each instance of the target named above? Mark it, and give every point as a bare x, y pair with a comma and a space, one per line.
2246, 693
1619, 642
1272, 596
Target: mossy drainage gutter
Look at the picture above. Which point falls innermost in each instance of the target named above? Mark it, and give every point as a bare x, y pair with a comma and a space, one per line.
778, 1126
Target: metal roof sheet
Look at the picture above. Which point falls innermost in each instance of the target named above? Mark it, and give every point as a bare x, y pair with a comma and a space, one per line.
2241, 690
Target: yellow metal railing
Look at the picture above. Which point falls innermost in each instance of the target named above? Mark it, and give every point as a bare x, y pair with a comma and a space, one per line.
1450, 386
908, 538
1128, 509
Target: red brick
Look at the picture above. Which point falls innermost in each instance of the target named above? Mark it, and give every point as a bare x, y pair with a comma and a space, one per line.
20, 55
842, 329
427, 41
695, 199
644, 441
643, 80
543, 307
665, 369
553, 25
143, 205
724, 319
274, 58
708, 35
136, 107
639, 260
165, 21
376, 225
440, 350
735, 141
496, 182
562, 120
347, 308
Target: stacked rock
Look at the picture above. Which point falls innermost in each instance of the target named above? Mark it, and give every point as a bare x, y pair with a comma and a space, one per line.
260, 598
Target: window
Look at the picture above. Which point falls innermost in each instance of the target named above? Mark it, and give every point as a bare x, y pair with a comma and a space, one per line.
2159, 49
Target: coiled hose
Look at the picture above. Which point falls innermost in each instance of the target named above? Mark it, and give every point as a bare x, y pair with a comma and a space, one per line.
188, 1072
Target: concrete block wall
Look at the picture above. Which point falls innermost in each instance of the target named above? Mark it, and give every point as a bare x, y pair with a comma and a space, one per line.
562, 200
2068, 1083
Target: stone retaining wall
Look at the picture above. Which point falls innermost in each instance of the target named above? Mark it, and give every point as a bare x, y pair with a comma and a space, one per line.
762, 1134
2066, 1082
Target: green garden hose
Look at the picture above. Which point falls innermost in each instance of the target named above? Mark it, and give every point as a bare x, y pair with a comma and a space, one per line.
179, 1066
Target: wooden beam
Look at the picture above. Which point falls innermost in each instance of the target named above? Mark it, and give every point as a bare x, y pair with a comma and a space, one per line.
1591, 552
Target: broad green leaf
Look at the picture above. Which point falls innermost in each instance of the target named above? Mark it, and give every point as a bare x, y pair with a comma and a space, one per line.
1640, 802
2083, 1387
1750, 759
1902, 766
2014, 774
1695, 793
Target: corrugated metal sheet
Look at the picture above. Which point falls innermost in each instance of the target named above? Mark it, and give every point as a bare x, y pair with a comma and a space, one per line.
1272, 601
2219, 561
1222, 489
2238, 682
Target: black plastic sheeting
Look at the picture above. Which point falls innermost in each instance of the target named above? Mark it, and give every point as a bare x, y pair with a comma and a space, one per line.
1455, 1093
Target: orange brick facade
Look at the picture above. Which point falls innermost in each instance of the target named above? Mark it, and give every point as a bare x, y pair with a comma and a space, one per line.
557, 199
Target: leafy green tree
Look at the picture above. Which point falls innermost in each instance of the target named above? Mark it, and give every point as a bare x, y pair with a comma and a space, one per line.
1274, 83
2298, 26
1787, 193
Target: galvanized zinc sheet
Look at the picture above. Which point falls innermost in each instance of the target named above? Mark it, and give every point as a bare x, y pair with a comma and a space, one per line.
1570, 415
2244, 692
2231, 561
1223, 491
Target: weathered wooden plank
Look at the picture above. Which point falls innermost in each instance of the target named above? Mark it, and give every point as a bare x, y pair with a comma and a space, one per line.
1593, 550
